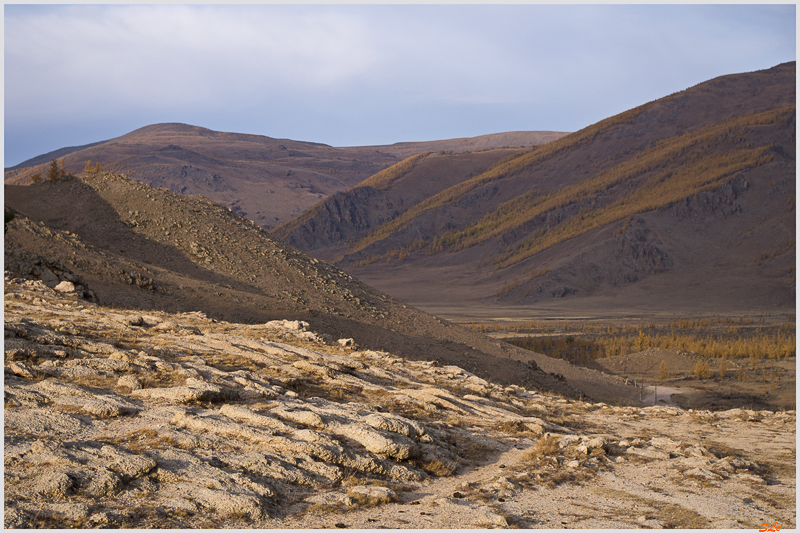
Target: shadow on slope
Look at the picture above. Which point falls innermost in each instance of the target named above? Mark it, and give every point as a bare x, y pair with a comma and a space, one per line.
197, 255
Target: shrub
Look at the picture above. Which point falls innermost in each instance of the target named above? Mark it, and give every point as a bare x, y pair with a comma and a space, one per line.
8, 217
545, 446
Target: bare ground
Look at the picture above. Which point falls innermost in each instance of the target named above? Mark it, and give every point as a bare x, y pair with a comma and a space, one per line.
123, 418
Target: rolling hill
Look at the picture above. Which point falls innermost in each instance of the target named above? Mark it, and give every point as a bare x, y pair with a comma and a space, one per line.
263, 179
684, 204
133, 246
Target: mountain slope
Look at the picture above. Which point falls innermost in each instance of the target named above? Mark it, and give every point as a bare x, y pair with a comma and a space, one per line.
140, 247
721, 153
264, 179
348, 216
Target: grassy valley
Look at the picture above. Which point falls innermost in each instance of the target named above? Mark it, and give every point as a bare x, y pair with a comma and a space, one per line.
717, 363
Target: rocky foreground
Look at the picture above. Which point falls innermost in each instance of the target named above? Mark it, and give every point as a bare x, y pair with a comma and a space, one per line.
118, 418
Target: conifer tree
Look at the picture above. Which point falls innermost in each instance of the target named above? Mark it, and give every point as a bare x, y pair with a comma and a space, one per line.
663, 373
52, 172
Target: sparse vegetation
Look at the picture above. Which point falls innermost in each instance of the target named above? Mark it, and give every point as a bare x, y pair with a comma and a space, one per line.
721, 338
399, 254
8, 216
775, 252
385, 177
662, 173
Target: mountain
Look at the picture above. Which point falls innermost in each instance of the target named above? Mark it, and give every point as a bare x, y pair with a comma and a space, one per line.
685, 204
263, 179
139, 247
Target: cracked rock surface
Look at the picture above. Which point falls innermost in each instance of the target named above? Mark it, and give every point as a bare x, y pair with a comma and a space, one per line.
121, 418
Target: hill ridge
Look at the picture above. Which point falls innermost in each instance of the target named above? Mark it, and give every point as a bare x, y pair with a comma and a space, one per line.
645, 160
265, 179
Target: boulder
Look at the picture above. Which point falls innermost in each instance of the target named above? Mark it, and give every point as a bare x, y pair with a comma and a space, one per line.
52, 485
130, 382
65, 287
371, 494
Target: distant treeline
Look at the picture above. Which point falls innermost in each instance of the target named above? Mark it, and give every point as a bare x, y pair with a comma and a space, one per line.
722, 338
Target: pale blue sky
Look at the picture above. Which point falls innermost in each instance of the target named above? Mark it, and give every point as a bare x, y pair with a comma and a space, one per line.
362, 74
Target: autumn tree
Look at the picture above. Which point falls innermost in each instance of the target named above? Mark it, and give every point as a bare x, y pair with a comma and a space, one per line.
663, 373
53, 173
91, 169
723, 367
702, 370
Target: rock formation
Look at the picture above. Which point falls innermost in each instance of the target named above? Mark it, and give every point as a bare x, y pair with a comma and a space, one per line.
124, 418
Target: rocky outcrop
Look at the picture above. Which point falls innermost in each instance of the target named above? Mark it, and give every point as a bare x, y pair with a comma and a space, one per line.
147, 416
31, 266
639, 252
116, 418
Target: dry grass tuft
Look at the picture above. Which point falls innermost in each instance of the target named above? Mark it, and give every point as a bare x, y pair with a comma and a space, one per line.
545, 447
162, 379
512, 427
231, 362
93, 382
364, 501
439, 467
142, 440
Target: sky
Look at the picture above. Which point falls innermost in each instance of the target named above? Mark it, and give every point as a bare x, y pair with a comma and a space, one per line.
358, 74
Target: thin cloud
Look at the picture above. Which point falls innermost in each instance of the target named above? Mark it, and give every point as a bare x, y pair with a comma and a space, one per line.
362, 74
